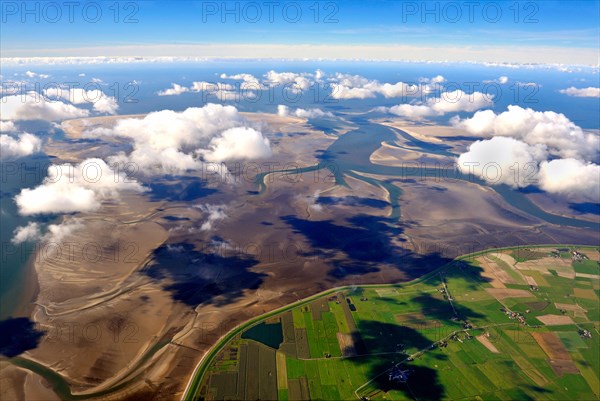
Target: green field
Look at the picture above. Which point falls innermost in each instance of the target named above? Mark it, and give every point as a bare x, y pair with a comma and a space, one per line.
459, 333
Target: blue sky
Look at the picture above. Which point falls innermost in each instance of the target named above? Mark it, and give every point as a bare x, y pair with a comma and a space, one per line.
566, 25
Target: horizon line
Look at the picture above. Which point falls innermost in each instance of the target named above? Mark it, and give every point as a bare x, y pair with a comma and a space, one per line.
377, 52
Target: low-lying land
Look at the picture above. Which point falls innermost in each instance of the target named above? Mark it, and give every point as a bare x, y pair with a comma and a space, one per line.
514, 323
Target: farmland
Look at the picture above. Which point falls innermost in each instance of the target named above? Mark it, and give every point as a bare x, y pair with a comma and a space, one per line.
503, 324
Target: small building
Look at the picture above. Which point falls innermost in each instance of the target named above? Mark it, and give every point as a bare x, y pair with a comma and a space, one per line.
397, 374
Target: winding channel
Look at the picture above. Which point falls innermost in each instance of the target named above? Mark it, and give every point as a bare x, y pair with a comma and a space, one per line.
350, 154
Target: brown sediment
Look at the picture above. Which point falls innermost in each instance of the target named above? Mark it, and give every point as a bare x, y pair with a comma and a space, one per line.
395, 156
430, 132
111, 323
132, 302
558, 205
13, 381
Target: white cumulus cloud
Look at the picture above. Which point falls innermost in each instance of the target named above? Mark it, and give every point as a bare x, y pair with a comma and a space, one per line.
346, 86
31, 74
99, 101
544, 149
29, 233
571, 177
74, 188
502, 160
249, 81
26, 144
434, 80
33, 106
410, 111
176, 141
7, 126
174, 90
290, 80
237, 144
57, 232
562, 137
32, 232
448, 102
214, 213
220, 90
581, 92
502, 80
284, 111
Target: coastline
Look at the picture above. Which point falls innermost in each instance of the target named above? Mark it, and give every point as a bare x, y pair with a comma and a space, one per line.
195, 380
25, 293
26, 304
124, 314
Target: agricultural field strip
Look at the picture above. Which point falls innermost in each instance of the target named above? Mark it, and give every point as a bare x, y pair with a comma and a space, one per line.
201, 367
196, 378
425, 349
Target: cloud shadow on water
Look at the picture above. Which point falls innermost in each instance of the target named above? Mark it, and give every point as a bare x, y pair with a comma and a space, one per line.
183, 190
586, 207
353, 201
18, 335
194, 277
365, 242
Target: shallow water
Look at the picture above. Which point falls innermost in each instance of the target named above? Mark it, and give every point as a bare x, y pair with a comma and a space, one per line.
352, 151
14, 176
